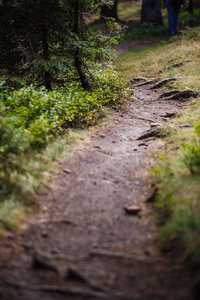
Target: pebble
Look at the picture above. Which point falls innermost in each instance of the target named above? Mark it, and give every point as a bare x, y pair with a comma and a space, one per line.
132, 210
68, 171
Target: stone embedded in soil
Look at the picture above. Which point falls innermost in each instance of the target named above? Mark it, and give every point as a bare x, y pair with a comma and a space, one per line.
155, 124
68, 171
132, 210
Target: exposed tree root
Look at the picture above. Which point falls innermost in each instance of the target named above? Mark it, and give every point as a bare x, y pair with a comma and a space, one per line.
182, 95
138, 79
167, 94
185, 126
152, 195
169, 115
43, 261
150, 133
174, 66
114, 254
64, 290
74, 274
144, 83
161, 83
156, 132
73, 292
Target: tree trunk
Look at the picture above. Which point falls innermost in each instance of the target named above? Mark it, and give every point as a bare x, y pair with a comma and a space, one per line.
151, 12
45, 46
83, 77
78, 61
191, 8
110, 12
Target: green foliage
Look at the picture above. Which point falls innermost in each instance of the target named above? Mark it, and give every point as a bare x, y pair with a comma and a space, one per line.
43, 114
192, 156
32, 117
143, 31
14, 156
39, 40
110, 86
190, 20
177, 178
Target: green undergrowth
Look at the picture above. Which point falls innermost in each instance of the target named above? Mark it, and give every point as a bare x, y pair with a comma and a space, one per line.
177, 171
177, 176
36, 126
144, 31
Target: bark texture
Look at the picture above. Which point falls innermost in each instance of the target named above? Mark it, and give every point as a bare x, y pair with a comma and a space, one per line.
78, 61
151, 12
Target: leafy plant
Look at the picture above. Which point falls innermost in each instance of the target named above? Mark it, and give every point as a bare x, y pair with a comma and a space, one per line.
192, 156
143, 31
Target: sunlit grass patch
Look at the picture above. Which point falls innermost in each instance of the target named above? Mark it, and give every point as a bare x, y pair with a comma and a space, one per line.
177, 176
129, 10
179, 58
177, 172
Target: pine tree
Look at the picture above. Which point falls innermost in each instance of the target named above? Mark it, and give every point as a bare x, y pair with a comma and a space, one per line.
43, 40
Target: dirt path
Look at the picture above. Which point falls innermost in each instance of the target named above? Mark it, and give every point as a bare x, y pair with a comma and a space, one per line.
138, 44
82, 244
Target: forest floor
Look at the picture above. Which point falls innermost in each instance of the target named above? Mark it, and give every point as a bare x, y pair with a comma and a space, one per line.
82, 244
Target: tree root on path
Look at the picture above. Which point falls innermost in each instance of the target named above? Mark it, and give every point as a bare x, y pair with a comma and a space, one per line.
179, 95
113, 254
138, 79
63, 290
157, 132
174, 66
161, 83
144, 83
71, 291
74, 274
150, 133
167, 94
43, 261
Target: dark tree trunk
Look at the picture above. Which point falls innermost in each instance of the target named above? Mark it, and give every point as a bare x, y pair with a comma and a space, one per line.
83, 77
110, 12
151, 12
45, 46
191, 8
78, 61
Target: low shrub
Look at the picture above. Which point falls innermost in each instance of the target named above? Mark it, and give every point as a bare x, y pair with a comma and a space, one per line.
145, 30
31, 117
43, 114
177, 177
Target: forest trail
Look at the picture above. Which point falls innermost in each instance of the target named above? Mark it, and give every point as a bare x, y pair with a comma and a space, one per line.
82, 244
138, 44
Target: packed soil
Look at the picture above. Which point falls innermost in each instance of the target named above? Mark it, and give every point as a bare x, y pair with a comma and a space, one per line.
82, 243
138, 44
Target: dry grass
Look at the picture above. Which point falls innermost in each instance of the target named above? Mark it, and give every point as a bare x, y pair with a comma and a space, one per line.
177, 173
178, 58
129, 10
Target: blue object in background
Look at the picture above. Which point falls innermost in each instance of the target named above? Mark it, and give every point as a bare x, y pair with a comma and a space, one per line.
173, 13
